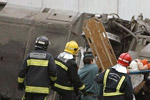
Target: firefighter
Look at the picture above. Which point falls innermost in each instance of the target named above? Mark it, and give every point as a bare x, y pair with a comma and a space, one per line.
38, 71
67, 78
116, 82
87, 75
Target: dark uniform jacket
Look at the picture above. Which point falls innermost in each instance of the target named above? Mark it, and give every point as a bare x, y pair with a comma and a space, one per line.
116, 85
37, 71
67, 77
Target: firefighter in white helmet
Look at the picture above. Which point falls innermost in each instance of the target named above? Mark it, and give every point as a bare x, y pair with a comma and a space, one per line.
67, 77
116, 82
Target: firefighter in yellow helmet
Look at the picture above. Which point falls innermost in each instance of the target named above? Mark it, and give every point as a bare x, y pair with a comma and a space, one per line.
67, 77
38, 71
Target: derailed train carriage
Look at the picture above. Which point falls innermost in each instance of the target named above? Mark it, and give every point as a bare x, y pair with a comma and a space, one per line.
133, 36
20, 26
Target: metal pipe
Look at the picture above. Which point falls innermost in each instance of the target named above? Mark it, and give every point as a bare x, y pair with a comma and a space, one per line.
127, 30
137, 32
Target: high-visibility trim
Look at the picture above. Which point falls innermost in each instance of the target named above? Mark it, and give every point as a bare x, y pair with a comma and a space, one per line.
112, 94
105, 78
82, 87
34, 89
120, 83
37, 62
118, 86
61, 65
63, 87
123, 60
23, 98
20, 80
53, 78
45, 98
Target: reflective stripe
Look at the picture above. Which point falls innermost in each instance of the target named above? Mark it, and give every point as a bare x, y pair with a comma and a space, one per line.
118, 86
123, 60
37, 62
112, 94
63, 87
82, 87
53, 78
20, 80
120, 83
45, 98
105, 78
23, 98
34, 89
61, 65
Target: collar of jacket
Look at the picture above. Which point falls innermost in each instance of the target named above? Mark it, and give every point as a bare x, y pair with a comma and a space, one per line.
65, 55
120, 68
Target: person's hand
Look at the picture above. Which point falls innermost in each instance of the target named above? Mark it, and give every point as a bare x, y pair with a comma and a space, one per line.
21, 86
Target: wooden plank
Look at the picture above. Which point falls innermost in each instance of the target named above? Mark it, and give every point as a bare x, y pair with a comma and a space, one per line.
99, 43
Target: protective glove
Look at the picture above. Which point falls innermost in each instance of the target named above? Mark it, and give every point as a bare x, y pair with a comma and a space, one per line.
84, 92
21, 86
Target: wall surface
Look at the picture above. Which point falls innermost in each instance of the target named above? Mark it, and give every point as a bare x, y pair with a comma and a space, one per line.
95, 6
125, 8
128, 8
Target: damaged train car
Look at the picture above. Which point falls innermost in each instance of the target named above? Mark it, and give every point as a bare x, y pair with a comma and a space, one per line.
129, 36
20, 26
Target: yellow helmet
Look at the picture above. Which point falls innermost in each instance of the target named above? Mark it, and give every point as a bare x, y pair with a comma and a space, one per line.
72, 47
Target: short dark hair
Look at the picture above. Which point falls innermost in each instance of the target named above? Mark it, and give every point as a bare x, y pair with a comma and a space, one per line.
88, 57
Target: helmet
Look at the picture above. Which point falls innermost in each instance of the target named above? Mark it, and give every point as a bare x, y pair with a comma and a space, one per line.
124, 59
72, 47
42, 42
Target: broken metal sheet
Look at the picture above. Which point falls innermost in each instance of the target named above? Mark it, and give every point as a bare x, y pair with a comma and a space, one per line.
113, 37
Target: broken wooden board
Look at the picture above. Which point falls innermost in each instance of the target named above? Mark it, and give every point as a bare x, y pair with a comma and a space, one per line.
99, 43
